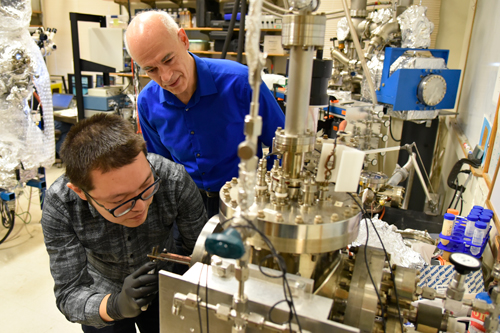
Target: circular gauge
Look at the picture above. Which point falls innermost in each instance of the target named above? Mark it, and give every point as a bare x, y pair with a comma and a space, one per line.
464, 263
372, 179
431, 90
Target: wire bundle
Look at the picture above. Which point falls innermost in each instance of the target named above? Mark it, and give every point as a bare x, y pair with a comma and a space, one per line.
282, 267
366, 218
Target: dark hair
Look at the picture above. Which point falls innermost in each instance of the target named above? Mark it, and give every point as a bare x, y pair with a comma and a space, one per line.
102, 142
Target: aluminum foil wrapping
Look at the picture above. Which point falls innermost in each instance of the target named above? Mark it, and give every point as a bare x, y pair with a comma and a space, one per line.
342, 29
14, 14
381, 16
413, 61
252, 39
375, 66
394, 244
416, 28
414, 115
21, 66
340, 95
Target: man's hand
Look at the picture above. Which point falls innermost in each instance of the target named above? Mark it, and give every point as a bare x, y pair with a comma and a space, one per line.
139, 289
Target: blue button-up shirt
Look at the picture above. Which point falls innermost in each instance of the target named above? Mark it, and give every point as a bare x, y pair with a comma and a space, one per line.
204, 134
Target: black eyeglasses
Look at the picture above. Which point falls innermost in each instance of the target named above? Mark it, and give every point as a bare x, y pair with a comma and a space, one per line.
128, 205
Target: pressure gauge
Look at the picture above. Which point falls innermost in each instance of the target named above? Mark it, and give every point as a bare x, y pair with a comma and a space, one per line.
431, 90
464, 263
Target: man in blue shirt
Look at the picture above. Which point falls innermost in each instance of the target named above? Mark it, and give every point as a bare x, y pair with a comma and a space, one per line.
193, 112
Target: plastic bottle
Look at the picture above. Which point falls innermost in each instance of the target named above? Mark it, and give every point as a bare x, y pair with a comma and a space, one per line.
187, 19
469, 230
478, 207
477, 239
448, 222
476, 211
476, 327
489, 211
486, 219
181, 17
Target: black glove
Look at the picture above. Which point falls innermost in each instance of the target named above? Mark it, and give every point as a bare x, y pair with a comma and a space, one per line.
139, 289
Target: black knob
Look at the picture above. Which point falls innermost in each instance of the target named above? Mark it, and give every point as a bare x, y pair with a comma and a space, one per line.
464, 263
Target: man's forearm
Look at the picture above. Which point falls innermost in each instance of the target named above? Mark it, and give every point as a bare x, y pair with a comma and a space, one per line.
102, 309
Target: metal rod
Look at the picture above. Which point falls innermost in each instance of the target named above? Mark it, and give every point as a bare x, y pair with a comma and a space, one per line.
381, 150
273, 6
422, 181
185, 260
299, 89
361, 56
409, 186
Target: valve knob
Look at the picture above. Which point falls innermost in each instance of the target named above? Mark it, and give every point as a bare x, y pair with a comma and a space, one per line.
464, 263
227, 244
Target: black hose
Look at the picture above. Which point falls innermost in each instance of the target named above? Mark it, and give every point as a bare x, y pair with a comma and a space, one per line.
390, 130
241, 34
129, 12
230, 29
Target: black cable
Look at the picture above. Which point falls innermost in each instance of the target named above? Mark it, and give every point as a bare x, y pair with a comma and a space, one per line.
453, 198
458, 199
282, 267
241, 33
230, 29
198, 300
390, 130
317, 6
390, 267
206, 298
129, 12
366, 217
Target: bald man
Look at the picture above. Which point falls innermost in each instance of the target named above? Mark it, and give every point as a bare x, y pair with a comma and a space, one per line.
193, 111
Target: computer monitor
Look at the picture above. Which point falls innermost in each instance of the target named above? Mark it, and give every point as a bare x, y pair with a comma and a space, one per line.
61, 101
99, 80
87, 82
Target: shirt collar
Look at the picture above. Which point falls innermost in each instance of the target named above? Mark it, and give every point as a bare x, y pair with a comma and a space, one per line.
94, 211
203, 75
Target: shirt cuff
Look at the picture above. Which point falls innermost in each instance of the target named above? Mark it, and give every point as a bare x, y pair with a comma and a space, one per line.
93, 318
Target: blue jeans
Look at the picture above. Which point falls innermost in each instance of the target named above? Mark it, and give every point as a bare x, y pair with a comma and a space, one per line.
148, 322
211, 202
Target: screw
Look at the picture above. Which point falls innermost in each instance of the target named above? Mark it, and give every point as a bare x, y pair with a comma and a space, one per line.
299, 219
261, 214
234, 180
334, 217
279, 217
318, 219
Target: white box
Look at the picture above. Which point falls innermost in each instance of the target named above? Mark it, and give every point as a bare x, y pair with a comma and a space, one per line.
105, 91
106, 47
272, 45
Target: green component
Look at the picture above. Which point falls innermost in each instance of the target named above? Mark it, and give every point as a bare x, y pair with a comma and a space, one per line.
227, 244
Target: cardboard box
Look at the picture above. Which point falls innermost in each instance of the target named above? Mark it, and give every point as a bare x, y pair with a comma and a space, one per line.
439, 277
272, 45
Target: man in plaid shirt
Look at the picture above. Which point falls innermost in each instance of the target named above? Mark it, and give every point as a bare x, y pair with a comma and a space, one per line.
101, 219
